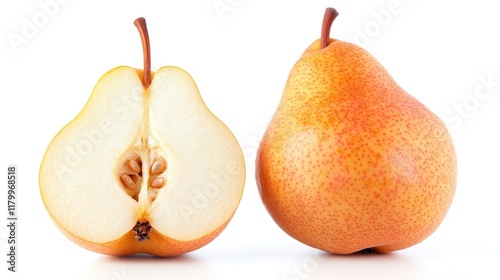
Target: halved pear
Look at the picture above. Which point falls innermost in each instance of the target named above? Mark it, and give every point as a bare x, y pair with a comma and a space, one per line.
144, 168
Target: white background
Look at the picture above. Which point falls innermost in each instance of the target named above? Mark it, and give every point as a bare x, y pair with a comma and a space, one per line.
240, 59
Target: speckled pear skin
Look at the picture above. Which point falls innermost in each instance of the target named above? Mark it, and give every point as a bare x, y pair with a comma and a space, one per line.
351, 161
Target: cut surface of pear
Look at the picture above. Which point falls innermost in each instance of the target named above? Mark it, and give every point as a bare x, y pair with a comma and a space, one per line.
153, 155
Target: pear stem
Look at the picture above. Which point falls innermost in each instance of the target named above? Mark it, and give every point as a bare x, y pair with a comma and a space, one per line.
329, 17
140, 23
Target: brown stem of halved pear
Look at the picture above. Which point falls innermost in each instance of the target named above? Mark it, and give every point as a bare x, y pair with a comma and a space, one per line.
140, 23
330, 15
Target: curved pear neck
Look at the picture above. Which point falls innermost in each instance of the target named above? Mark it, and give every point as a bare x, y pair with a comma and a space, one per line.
329, 17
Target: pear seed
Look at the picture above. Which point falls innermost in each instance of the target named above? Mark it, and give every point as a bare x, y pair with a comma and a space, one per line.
158, 167
127, 181
158, 182
132, 164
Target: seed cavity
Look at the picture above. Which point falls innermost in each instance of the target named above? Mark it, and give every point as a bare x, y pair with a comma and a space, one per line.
133, 170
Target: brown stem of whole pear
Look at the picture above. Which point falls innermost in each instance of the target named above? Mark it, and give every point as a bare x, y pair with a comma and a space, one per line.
140, 23
330, 15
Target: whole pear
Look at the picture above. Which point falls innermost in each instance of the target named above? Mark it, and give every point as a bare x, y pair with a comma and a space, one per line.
350, 161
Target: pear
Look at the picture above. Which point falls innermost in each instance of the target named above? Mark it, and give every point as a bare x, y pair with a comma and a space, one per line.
350, 161
145, 167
